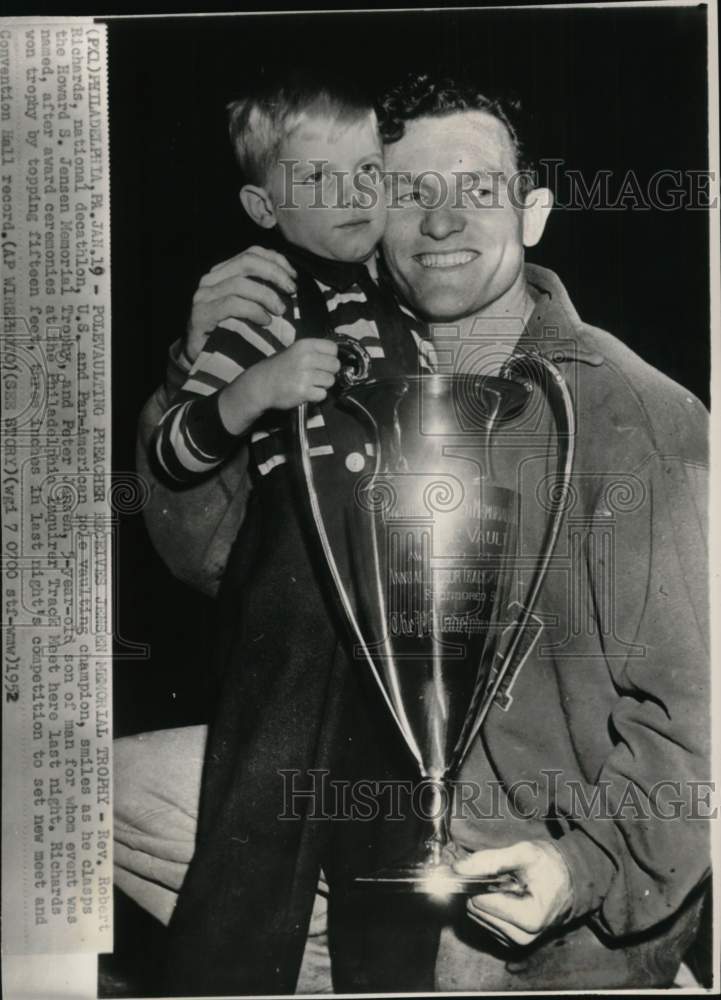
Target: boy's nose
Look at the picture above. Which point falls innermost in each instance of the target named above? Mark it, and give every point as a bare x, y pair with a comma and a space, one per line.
343, 190
438, 223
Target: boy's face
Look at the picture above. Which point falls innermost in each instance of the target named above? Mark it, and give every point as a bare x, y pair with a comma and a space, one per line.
327, 189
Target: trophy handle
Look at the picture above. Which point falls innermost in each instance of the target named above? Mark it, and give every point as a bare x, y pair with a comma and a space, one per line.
355, 364
354, 358
534, 367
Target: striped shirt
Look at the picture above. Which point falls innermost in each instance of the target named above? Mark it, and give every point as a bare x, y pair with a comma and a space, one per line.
192, 440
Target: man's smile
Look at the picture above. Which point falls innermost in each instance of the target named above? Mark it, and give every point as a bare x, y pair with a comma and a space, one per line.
448, 258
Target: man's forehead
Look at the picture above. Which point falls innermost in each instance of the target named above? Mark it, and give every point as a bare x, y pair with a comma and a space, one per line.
463, 140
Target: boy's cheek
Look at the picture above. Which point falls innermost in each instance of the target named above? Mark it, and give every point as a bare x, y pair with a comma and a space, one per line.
307, 225
369, 195
304, 196
382, 217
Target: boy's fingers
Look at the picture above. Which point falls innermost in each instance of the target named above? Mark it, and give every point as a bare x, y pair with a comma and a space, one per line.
321, 346
326, 363
323, 378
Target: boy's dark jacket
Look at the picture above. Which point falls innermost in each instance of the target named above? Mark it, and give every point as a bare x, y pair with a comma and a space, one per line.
615, 692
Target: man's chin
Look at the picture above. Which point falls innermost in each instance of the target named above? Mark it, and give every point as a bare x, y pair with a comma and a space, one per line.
443, 307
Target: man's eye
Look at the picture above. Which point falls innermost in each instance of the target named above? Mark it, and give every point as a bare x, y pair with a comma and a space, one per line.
478, 196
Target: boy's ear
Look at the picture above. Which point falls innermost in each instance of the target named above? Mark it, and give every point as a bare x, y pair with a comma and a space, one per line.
257, 203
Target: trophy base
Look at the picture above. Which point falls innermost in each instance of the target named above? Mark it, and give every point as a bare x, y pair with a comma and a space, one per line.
438, 880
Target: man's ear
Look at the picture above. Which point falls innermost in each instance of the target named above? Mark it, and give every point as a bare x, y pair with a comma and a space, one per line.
537, 207
257, 203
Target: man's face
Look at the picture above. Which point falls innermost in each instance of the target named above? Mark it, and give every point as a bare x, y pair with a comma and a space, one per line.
327, 188
452, 254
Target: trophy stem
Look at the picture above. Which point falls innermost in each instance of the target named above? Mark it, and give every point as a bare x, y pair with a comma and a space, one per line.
439, 839
430, 870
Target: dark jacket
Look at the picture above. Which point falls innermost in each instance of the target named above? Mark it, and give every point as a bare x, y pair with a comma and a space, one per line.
616, 691
613, 696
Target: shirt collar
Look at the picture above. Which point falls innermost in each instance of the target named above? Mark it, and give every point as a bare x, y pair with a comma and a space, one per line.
338, 274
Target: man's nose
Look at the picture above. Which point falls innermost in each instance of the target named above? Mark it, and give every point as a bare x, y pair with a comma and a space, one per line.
440, 222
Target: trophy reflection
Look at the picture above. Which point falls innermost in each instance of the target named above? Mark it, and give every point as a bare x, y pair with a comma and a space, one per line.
433, 539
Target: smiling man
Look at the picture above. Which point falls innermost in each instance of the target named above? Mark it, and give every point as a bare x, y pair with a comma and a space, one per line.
457, 231
588, 771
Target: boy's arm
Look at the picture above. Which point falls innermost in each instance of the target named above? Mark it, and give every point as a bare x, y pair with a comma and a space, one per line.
243, 371
191, 439
176, 372
192, 529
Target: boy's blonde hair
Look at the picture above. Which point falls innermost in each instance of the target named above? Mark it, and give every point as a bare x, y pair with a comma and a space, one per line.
259, 122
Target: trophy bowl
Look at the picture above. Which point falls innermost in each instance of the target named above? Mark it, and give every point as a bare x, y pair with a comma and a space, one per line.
431, 536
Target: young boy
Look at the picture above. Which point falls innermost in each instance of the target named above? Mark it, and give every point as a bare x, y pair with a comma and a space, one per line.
313, 161
294, 708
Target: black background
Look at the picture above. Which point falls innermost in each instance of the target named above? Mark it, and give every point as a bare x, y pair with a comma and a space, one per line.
614, 90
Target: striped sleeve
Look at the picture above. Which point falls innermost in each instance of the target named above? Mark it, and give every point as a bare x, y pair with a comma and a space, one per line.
191, 439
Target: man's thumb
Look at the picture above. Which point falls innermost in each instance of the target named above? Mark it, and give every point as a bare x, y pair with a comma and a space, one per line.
491, 861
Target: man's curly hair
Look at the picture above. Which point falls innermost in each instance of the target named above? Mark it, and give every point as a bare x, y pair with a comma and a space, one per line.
422, 96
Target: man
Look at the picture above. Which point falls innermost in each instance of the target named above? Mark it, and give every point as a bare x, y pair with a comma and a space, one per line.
599, 741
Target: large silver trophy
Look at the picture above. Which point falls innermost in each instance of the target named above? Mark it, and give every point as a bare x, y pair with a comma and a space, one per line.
429, 541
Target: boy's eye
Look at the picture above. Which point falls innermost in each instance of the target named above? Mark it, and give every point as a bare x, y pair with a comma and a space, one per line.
315, 178
411, 196
372, 170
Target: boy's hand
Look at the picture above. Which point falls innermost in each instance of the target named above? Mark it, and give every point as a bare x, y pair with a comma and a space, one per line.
235, 289
302, 373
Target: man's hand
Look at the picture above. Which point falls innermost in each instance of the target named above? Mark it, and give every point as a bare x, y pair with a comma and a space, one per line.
302, 373
234, 289
546, 895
